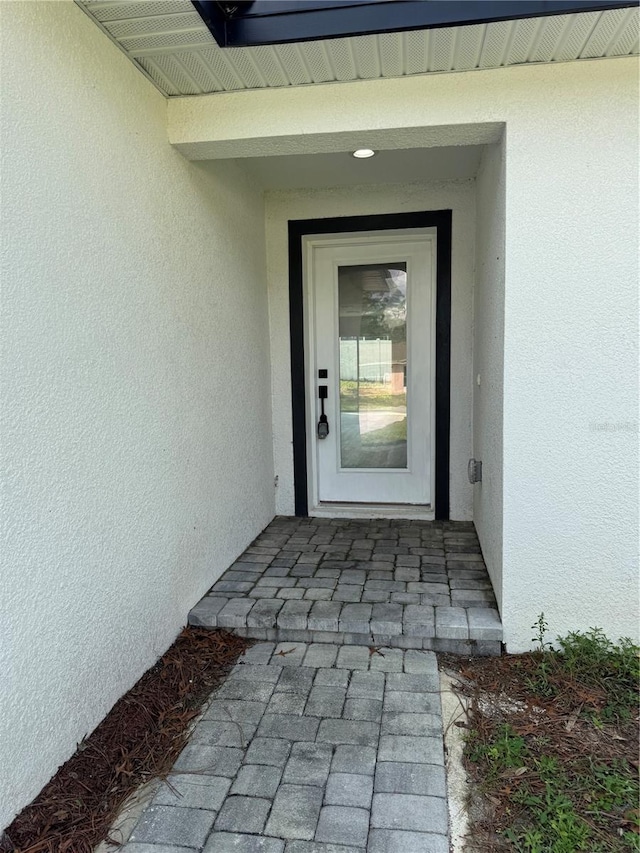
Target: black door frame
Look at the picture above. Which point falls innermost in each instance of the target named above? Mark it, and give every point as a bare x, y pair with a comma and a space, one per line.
299, 228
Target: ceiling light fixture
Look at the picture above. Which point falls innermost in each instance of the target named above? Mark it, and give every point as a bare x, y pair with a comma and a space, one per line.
363, 153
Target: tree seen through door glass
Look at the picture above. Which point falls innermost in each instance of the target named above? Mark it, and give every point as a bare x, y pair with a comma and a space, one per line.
372, 301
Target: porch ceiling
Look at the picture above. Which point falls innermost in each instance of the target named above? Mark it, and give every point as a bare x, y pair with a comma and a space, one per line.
407, 165
172, 46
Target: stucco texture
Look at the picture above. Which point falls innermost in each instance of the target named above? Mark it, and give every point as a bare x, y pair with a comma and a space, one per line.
362, 201
136, 442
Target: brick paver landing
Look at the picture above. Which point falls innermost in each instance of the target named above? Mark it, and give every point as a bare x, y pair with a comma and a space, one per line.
313, 748
405, 584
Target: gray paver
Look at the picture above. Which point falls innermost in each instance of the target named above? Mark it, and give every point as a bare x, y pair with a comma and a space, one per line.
421, 750
209, 760
289, 726
420, 662
353, 657
366, 685
409, 812
290, 635
397, 777
386, 619
287, 703
318, 594
170, 825
353, 576
363, 709
332, 678
155, 848
263, 592
347, 593
238, 711
243, 814
222, 733
295, 812
343, 825
264, 612
419, 620
405, 598
289, 654
375, 596
354, 759
349, 789
321, 655
206, 611
412, 703
484, 624
313, 710
190, 790
317, 582
386, 660
257, 780
255, 672
240, 690
324, 616
309, 764
326, 702
232, 842
361, 563
272, 751
232, 586
294, 614
397, 841
295, 680
275, 583
319, 847
348, 731
260, 653
290, 593
234, 613
422, 725
477, 598
413, 683
249, 557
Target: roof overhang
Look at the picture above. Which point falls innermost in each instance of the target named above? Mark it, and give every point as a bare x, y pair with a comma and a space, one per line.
247, 23
171, 44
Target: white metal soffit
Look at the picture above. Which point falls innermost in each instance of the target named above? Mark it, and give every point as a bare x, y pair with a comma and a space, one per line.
169, 41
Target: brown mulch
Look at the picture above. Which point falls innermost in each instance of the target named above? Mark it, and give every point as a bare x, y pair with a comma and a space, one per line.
138, 740
560, 726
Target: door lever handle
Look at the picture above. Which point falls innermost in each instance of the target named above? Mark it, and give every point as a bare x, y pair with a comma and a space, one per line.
323, 423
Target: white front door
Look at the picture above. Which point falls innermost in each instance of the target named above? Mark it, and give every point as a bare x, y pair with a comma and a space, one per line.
370, 335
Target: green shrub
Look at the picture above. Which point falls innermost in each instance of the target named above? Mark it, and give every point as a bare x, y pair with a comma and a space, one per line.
592, 659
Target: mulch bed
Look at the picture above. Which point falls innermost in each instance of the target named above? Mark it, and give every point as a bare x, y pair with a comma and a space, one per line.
138, 740
560, 726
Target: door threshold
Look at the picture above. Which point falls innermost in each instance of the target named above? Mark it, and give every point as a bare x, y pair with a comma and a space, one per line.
420, 512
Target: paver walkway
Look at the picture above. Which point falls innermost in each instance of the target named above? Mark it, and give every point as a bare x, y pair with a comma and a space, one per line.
407, 584
314, 748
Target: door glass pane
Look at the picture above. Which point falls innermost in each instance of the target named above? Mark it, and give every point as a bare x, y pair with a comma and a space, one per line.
372, 303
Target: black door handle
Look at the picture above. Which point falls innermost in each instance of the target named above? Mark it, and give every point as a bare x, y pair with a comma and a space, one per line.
323, 423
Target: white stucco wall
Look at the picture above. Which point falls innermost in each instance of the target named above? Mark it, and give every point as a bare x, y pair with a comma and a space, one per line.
571, 501
360, 201
488, 357
570, 422
136, 443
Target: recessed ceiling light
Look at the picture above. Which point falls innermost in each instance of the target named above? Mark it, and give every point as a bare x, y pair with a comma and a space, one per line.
363, 153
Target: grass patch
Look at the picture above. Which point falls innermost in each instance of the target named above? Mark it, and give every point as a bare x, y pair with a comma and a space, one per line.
390, 434
552, 746
368, 396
